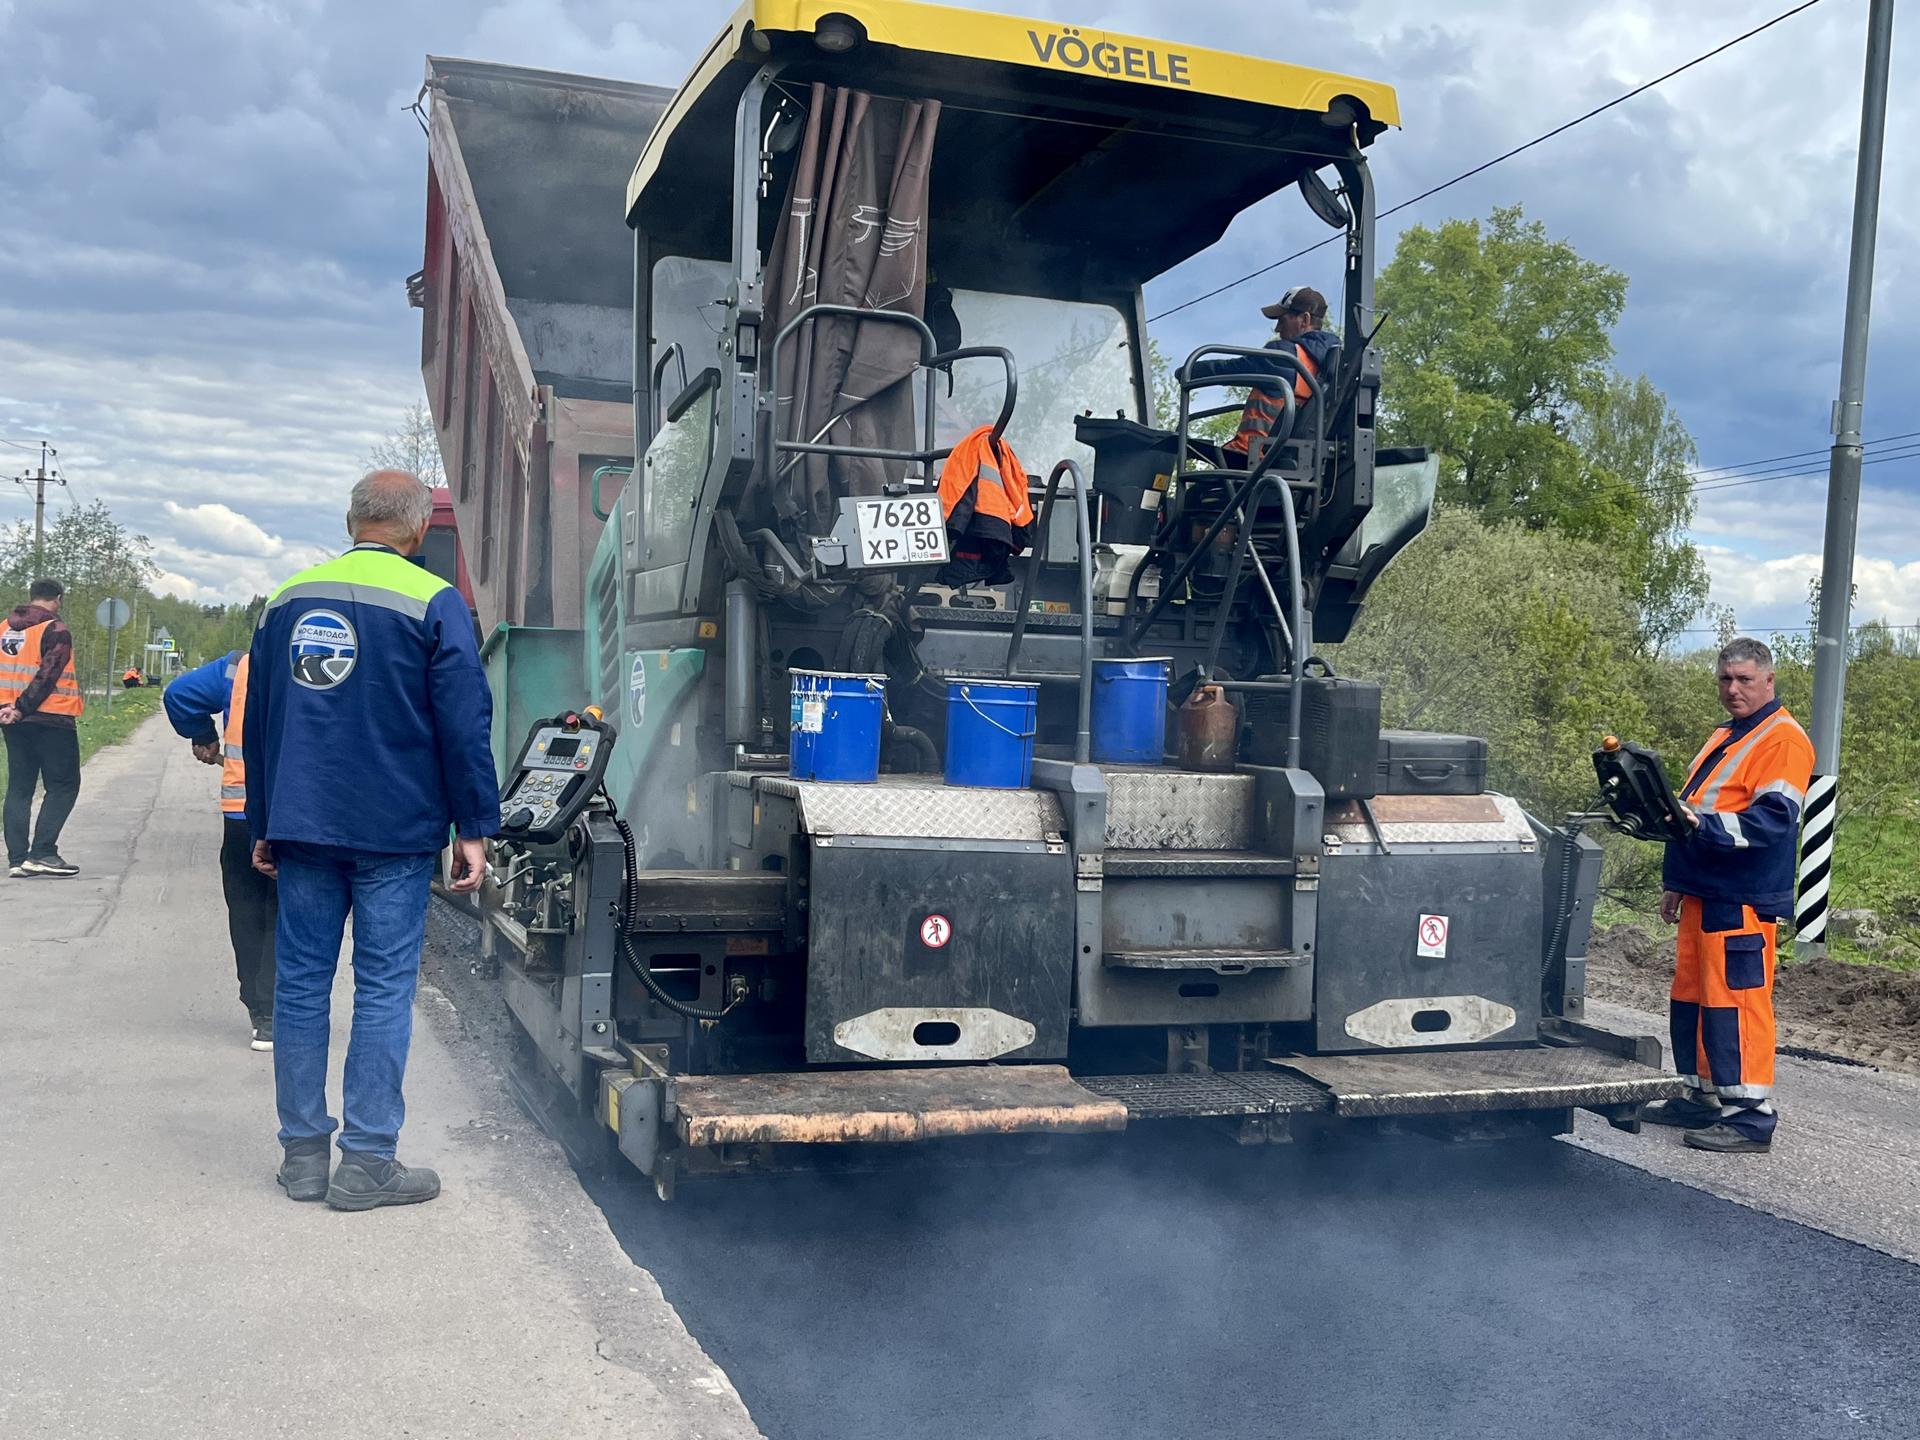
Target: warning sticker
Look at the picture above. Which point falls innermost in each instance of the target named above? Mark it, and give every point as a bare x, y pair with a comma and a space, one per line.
935, 932
1433, 936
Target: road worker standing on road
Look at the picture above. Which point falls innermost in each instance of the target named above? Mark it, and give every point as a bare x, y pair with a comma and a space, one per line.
367, 734
1727, 886
40, 709
217, 691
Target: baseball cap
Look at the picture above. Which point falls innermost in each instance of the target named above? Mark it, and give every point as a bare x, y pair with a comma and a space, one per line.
1301, 300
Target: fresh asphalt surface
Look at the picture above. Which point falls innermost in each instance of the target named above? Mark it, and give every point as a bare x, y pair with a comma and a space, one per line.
1164, 1288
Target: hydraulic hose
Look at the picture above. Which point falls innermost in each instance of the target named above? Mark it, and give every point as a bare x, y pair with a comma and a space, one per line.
630, 902
919, 742
1563, 912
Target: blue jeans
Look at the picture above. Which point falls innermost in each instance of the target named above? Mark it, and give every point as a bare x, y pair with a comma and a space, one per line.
387, 896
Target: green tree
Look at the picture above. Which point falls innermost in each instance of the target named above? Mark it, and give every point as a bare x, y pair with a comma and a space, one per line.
1497, 355
1522, 636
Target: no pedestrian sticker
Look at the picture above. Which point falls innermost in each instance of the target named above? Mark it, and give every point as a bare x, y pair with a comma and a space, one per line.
935, 932
1433, 936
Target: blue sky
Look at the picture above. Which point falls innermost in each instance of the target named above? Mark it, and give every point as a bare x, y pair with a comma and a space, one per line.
211, 208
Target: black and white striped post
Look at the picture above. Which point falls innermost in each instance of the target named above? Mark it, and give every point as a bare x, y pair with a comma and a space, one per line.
1843, 506
1816, 866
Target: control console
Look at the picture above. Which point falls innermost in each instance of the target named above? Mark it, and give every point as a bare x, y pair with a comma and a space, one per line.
556, 777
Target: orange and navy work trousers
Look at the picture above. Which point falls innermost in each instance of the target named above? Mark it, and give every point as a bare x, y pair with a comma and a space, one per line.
1722, 1011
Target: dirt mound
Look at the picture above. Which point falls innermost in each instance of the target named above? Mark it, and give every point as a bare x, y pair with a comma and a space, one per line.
1859, 1011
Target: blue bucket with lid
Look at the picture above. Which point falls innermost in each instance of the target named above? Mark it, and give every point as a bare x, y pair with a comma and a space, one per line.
1130, 710
990, 730
834, 730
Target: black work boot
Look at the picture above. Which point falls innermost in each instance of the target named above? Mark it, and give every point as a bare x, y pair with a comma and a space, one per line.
303, 1170
366, 1182
1683, 1112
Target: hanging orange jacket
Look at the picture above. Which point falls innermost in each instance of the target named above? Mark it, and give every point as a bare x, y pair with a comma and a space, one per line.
983, 494
20, 662
1264, 408
233, 764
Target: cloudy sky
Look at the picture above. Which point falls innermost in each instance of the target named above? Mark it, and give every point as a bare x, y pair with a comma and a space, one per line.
211, 206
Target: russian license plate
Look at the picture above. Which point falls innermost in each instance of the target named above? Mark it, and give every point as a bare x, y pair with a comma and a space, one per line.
906, 531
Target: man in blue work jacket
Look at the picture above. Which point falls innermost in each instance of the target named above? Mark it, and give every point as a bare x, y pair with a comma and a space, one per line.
367, 736
214, 691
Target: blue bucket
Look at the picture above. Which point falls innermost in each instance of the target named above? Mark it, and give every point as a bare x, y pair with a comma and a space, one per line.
990, 728
835, 730
1130, 711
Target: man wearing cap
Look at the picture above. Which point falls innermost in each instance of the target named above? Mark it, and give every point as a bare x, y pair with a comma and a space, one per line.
40, 708
1301, 337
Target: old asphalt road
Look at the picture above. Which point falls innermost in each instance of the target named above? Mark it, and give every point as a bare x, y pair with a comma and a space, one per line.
1169, 1287
153, 1281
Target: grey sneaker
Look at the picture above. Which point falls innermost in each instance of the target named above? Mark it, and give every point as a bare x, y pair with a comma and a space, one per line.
303, 1171
18, 870
262, 1032
1683, 1113
49, 865
1727, 1140
366, 1182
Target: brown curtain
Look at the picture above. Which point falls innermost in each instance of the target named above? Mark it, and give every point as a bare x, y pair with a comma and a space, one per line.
854, 233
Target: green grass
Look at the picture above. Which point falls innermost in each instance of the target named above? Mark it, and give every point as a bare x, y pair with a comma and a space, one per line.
1876, 866
98, 728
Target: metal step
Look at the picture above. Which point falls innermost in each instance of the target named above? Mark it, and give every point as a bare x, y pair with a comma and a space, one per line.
1220, 962
1466, 1081
840, 1106
1208, 864
1212, 1092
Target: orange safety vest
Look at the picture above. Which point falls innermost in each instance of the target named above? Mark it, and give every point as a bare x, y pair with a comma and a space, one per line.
233, 762
20, 662
1264, 408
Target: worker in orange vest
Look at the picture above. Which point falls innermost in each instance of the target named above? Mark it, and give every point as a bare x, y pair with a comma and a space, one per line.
199, 699
1727, 885
40, 707
1305, 348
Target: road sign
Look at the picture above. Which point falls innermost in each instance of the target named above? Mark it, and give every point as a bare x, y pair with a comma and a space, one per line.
111, 614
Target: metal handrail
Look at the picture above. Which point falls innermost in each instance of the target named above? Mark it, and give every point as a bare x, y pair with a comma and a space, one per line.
931, 360
1083, 524
598, 513
653, 379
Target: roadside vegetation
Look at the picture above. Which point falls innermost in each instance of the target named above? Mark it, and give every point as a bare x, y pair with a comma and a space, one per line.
98, 728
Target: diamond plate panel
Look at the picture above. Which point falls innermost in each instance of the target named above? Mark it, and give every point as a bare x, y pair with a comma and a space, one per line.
1467, 1081
1511, 829
1166, 1097
1151, 809
916, 807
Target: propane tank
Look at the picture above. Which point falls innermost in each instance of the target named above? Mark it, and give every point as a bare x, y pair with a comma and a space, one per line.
1209, 730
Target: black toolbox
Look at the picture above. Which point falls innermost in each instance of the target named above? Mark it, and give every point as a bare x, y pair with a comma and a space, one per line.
1415, 762
1339, 731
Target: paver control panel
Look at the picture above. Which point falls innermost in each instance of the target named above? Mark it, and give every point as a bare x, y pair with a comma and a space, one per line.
554, 779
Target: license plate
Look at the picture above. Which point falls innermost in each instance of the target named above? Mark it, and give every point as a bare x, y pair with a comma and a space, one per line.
907, 531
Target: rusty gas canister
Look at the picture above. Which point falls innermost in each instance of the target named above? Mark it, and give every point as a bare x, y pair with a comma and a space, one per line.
1209, 730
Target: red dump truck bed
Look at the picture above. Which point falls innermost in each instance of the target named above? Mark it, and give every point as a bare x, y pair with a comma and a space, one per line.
527, 342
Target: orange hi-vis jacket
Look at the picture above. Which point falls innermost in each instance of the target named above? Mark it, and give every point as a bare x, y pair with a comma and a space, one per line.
983, 492
1264, 408
20, 662
233, 763
1748, 783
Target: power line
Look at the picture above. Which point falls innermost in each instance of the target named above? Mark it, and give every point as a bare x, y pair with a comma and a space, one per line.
1909, 453
1711, 473
1486, 165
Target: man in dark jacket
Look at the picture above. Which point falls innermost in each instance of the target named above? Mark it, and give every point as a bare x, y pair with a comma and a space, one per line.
40, 706
366, 738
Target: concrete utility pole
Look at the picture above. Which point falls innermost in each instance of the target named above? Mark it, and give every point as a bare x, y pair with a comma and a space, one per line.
40, 483
1843, 505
